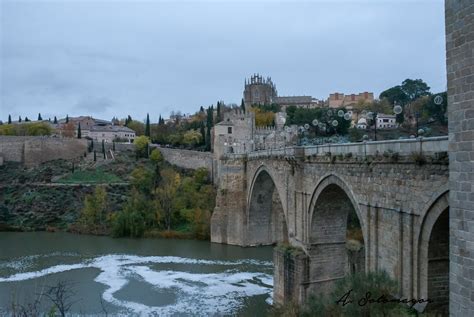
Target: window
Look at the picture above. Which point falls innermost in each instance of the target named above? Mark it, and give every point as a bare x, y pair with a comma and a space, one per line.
229, 130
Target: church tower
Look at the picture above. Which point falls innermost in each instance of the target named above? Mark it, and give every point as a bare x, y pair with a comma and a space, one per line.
259, 91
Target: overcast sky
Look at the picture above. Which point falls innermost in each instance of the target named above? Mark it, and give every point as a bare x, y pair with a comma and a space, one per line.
114, 58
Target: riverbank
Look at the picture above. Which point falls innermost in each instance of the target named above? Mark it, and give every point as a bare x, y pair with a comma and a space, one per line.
126, 196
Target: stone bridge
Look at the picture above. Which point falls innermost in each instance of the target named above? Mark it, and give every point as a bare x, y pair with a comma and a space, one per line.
309, 198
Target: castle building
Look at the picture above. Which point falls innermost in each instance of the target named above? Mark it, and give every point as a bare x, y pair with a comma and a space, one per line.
337, 100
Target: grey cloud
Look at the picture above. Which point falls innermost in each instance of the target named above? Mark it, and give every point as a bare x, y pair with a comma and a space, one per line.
118, 58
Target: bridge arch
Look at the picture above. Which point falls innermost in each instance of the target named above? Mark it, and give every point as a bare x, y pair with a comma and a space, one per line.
334, 181
433, 255
266, 217
332, 210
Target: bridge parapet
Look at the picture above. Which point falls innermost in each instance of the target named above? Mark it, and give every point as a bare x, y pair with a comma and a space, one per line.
426, 146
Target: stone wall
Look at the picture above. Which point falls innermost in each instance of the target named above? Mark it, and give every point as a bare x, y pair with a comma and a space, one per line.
187, 158
460, 73
33, 150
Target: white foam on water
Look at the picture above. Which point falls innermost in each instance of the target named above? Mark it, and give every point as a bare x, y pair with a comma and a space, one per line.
196, 293
51, 270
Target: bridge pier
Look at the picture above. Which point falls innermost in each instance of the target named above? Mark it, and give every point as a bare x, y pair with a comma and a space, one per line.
290, 275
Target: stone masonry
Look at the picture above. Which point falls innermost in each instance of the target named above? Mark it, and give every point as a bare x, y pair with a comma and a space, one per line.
33, 150
460, 72
398, 200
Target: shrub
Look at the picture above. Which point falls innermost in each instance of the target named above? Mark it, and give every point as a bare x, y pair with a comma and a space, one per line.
355, 291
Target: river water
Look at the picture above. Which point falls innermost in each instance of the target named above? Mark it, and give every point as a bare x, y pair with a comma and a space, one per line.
135, 277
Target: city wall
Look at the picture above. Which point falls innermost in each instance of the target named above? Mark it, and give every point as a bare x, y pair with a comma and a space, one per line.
33, 150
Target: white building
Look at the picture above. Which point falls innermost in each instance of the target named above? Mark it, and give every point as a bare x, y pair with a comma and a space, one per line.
109, 133
386, 121
362, 124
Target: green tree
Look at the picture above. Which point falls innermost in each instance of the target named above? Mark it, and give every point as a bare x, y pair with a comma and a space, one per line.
67, 118
38, 128
39, 117
203, 133
166, 194
55, 120
242, 105
218, 111
156, 156
415, 88
438, 111
137, 214
137, 126
141, 179
192, 137
208, 138
95, 208
141, 146
9, 119
19, 119
147, 125
79, 134
26, 119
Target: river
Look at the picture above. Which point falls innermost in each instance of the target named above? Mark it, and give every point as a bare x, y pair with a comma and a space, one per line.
141, 277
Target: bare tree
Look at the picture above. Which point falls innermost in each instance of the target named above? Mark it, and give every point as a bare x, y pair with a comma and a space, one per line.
62, 296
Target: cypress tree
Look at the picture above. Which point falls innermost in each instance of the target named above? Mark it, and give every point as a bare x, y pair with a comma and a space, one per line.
218, 112
55, 120
79, 135
26, 119
19, 119
242, 105
67, 118
159, 120
39, 117
9, 119
208, 139
147, 126
203, 133
201, 109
